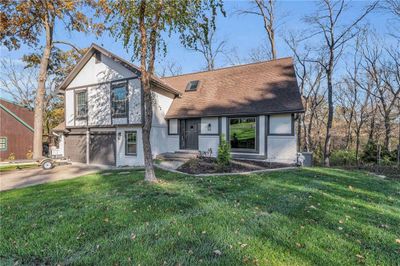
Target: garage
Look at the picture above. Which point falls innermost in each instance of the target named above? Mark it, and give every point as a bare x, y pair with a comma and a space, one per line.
102, 148
75, 147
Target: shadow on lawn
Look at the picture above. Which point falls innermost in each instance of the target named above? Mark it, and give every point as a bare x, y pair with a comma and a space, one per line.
168, 219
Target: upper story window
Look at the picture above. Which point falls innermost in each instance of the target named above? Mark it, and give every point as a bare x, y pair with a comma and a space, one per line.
81, 104
3, 143
119, 99
192, 85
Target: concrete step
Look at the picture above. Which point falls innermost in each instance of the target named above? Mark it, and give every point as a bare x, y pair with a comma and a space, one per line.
177, 156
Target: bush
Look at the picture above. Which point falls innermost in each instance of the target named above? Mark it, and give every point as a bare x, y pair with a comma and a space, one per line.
370, 154
29, 155
343, 157
224, 153
11, 157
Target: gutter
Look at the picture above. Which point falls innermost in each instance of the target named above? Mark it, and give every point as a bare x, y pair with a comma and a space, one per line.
16, 117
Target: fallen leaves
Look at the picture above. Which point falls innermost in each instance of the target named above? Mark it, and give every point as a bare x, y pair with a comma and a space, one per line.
398, 241
217, 252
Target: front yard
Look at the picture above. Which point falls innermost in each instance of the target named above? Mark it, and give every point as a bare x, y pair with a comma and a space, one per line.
310, 216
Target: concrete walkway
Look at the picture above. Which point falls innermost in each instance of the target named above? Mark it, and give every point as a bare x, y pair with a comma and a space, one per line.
30, 177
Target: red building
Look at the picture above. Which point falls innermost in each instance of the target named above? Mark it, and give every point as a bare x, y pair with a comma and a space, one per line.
16, 130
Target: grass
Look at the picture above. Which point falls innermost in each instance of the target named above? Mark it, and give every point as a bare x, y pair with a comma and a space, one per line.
299, 217
12, 167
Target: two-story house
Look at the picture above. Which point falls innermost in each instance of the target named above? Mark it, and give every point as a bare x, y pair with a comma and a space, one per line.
253, 106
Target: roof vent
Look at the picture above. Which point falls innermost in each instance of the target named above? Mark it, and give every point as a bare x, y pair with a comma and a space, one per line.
192, 85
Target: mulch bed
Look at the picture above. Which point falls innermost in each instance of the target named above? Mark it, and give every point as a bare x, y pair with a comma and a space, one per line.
209, 166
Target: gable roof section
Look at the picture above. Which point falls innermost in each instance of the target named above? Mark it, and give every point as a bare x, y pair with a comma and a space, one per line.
22, 114
259, 88
157, 82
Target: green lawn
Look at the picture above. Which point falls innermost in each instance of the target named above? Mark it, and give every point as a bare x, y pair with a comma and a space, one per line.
12, 167
299, 217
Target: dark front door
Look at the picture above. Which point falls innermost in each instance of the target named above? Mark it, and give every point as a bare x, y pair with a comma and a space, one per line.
190, 134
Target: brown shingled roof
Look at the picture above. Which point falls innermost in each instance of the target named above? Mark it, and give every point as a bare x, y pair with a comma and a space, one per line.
259, 88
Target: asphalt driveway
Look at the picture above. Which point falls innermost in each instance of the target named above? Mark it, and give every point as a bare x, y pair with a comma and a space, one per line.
30, 177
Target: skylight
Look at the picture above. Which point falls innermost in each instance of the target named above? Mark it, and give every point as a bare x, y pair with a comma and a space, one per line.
192, 85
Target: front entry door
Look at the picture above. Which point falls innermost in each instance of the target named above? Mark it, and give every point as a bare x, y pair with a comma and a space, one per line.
190, 134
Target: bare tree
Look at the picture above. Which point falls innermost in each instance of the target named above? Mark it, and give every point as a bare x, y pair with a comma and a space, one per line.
385, 77
170, 68
18, 83
327, 21
259, 53
207, 45
266, 10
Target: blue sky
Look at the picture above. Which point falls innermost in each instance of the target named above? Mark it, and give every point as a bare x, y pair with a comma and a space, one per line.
242, 32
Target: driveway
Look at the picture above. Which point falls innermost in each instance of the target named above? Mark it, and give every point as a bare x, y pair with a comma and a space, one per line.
30, 177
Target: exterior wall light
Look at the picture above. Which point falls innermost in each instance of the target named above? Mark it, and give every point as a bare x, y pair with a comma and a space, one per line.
119, 135
209, 127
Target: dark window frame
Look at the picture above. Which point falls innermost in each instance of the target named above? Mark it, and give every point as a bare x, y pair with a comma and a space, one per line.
257, 133
5, 144
169, 126
190, 84
115, 85
126, 143
77, 105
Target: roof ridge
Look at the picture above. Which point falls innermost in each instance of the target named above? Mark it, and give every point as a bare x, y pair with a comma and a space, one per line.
234, 66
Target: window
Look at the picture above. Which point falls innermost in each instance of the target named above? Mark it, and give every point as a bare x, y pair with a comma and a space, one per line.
130, 142
192, 85
3, 143
119, 99
242, 133
81, 104
281, 124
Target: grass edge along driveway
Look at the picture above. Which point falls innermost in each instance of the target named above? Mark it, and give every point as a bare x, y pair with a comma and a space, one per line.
298, 217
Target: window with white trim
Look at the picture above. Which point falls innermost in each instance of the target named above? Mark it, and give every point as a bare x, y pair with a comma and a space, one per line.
130, 142
3, 143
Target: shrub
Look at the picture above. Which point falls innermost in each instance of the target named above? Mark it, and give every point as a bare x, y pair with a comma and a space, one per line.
29, 155
343, 157
370, 154
224, 153
11, 157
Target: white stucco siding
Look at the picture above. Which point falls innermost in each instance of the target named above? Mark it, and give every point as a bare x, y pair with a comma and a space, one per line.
161, 103
282, 149
96, 78
224, 130
173, 143
261, 134
129, 160
158, 139
99, 106
280, 124
106, 70
209, 121
69, 108
135, 101
173, 126
209, 142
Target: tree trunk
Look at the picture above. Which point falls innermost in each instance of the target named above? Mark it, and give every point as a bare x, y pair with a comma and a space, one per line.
358, 145
388, 132
41, 90
299, 149
327, 148
148, 105
146, 130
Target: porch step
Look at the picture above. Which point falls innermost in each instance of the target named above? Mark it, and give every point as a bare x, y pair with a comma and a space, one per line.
181, 156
